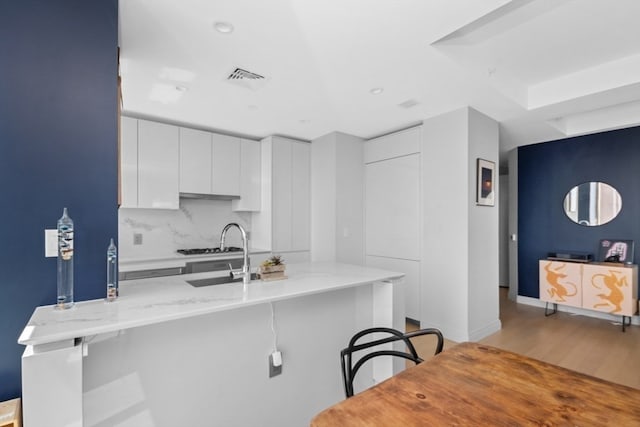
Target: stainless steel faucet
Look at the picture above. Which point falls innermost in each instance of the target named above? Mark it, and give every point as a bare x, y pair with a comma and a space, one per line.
245, 273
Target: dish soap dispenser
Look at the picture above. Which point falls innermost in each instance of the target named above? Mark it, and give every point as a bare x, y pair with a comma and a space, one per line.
65, 261
112, 272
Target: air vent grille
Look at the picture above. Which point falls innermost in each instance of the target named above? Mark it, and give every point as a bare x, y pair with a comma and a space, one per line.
240, 74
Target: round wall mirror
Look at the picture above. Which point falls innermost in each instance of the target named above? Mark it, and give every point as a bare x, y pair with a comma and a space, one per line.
592, 203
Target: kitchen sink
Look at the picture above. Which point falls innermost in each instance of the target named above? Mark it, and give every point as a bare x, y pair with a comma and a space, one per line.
220, 280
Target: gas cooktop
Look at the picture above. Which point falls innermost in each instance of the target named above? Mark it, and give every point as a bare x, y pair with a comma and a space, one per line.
204, 251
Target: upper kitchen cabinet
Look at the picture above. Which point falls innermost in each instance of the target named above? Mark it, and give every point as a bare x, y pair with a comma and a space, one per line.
250, 172
195, 161
158, 167
149, 165
129, 163
291, 201
225, 174
284, 222
209, 163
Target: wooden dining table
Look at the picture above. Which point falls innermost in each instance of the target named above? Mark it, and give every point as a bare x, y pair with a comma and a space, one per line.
473, 384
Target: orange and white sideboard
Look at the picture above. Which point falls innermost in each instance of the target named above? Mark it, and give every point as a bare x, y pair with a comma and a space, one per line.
606, 287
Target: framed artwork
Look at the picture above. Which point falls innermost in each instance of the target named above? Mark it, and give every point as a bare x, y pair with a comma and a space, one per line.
485, 194
612, 250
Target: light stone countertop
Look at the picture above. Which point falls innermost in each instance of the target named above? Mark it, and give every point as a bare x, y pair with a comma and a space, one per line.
150, 301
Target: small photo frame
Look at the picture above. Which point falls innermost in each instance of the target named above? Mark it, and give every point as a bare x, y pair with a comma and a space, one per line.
485, 192
619, 251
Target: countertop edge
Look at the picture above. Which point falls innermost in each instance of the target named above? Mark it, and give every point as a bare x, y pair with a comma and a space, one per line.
78, 332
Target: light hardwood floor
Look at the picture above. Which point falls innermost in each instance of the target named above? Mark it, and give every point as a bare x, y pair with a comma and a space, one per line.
593, 346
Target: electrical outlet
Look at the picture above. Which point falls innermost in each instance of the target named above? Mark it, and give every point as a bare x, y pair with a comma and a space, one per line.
50, 243
137, 238
275, 364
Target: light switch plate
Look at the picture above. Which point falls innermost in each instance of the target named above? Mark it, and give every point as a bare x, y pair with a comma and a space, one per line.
50, 243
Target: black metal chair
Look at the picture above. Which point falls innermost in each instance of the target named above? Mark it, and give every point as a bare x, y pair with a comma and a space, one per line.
350, 369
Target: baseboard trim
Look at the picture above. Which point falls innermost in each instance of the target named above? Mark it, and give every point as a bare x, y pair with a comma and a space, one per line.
485, 331
535, 302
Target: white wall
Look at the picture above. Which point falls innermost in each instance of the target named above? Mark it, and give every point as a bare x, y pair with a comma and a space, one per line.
513, 224
504, 230
460, 262
484, 232
337, 191
445, 172
197, 224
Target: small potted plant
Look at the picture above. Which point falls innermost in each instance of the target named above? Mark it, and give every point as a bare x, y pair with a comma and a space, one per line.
272, 268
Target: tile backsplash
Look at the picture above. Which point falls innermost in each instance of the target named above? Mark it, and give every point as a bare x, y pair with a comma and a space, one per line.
197, 224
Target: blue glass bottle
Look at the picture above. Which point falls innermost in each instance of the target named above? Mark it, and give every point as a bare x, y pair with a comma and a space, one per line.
112, 272
65, 261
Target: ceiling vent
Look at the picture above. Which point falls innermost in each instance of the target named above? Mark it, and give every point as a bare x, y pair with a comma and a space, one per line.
248, 79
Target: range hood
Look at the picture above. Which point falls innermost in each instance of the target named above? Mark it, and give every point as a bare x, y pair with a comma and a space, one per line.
208, 196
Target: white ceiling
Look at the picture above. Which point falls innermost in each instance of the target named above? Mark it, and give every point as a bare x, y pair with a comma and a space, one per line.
545, 69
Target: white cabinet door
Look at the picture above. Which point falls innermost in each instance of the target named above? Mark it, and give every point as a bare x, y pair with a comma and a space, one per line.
392, 208
128, 162
300, 198
282, 197
158, 176
195, 161
411, 269
393, 145
250, 181
225, 165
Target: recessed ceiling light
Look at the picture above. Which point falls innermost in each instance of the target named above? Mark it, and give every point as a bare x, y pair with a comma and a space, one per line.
223, 27
253, 107
376, 91
304, 121
181, 89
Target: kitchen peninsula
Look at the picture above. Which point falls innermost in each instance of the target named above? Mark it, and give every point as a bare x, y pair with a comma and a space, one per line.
167, 353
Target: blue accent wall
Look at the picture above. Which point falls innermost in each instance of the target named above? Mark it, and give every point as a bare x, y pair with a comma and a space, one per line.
58, 147
547, 171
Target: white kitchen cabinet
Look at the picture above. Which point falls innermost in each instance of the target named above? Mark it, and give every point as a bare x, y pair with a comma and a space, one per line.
393, 145
392, 206
195, 161
225, 174
128, 163
283, 223
393, 231
250, 180
209, 163
282, 197
158, 167
300, 196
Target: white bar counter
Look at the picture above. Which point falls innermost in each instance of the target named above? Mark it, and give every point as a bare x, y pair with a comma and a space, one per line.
70, 353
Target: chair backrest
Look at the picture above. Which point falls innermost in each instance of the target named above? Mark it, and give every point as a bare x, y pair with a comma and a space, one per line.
350, 368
